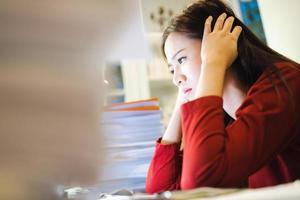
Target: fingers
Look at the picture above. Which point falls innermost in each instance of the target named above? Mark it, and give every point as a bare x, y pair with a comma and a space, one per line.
228, 24
207, 25
236, 32
220, 21
222, 24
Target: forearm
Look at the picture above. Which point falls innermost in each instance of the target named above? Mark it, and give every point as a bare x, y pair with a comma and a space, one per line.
165, 169
204, 138
173, 131
211, 80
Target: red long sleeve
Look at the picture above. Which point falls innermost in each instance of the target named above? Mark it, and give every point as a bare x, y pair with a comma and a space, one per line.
165, 165
261, 146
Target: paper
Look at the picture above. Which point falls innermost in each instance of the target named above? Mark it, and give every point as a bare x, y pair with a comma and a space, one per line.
130, 130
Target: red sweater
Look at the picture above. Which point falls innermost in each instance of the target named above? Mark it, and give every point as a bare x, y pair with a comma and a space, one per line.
262, 146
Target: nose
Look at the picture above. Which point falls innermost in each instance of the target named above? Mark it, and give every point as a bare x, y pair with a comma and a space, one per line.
178, 78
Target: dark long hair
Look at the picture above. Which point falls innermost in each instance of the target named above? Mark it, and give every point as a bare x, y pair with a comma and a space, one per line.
253, 55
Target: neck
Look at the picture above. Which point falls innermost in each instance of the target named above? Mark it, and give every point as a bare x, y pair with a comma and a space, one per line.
234, 94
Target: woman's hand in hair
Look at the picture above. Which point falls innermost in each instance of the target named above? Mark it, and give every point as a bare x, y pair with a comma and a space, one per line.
219, 46
218, 51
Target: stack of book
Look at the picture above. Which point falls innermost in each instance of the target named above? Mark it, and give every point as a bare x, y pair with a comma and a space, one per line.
130, 130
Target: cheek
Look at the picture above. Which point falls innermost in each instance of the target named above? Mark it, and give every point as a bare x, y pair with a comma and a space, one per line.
192, 76
195, 69
194, 73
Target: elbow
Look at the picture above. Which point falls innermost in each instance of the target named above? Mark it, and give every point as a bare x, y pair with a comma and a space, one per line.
150, 189
158, 186
189, 182
195, 178
152, 186
192, 177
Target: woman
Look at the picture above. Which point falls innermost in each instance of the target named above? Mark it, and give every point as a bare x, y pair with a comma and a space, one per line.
218, 63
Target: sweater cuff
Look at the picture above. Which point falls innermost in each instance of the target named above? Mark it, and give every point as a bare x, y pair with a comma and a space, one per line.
174, 147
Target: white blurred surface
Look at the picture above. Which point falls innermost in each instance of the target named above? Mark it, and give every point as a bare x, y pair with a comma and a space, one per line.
89, 30
281, 25
50, 89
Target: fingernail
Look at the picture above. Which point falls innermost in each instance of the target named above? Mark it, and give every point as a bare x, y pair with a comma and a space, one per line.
224, 15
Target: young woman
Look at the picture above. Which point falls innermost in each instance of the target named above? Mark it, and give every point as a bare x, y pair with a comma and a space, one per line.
218, 63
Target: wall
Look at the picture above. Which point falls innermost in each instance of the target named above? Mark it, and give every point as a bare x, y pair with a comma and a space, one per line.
281, 24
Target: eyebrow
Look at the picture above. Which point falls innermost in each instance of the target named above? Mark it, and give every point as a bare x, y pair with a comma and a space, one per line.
176, 55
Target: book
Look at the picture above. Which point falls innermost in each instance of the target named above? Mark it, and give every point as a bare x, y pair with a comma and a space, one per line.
130, 131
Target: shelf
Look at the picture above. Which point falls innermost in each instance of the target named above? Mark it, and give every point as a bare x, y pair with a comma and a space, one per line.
161, 80
157, 83
116, 92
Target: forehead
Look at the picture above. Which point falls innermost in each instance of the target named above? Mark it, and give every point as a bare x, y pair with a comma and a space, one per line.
177, 41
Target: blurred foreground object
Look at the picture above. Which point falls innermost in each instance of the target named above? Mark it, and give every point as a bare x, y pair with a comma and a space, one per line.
49, 130
50, 89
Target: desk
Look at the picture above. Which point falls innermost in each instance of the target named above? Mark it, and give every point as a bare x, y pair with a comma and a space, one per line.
290, 191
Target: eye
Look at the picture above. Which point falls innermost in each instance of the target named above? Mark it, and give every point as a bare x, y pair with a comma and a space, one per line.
181, 59
171, 68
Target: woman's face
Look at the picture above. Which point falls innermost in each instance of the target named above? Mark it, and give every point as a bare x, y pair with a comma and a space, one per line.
184, 59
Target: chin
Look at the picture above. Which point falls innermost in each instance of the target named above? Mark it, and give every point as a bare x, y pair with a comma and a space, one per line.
191, 96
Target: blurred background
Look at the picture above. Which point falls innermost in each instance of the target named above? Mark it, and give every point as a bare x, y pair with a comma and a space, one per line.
63, 62
126, 80
273, 21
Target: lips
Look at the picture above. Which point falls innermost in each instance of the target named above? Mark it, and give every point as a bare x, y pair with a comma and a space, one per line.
187, 90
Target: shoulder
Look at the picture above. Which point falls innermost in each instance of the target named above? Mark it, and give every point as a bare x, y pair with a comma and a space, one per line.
277, 76
286, 65
275, 89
